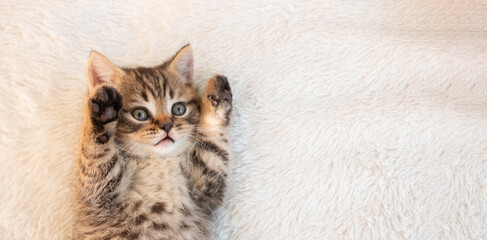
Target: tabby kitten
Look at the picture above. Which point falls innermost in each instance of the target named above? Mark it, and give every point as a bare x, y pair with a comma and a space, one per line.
154, 155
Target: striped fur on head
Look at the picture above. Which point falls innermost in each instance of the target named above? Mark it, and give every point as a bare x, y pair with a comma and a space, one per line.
156, 90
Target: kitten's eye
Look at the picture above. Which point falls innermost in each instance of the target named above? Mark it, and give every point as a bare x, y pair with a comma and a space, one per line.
178, 109
140, 114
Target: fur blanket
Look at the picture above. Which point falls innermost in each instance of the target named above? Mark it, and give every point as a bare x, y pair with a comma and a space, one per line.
352, 119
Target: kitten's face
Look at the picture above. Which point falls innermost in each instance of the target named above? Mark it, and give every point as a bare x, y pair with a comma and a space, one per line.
160, 108
160, 112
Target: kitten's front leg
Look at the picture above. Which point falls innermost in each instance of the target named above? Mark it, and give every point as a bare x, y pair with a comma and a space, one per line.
98, 156
210, 157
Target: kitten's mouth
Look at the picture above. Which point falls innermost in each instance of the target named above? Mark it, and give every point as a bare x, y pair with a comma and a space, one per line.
165, 141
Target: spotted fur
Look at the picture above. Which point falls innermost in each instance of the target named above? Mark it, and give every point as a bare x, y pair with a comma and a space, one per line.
129, 183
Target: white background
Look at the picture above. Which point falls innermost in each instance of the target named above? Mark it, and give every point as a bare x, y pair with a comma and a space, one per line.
352, 119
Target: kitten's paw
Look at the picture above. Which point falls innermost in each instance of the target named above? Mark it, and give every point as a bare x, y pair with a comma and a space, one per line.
218, 97
105, 105
218, 90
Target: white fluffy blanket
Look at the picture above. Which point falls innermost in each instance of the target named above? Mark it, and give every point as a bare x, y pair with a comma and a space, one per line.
352, 119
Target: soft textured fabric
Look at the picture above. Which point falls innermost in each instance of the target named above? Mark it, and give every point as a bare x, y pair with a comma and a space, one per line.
352, 119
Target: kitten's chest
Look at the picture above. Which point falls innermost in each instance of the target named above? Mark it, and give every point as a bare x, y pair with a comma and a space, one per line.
158, 182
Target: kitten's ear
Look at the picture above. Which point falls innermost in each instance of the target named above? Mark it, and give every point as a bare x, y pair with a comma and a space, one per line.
182, 64
101, 70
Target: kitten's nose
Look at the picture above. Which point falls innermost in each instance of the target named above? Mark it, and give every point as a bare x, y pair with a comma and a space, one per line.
166, 126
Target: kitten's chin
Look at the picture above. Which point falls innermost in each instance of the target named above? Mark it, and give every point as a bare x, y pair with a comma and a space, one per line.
169, 147
164, 148
165, 143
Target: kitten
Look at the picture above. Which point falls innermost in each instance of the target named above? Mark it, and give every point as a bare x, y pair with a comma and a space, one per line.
154, 155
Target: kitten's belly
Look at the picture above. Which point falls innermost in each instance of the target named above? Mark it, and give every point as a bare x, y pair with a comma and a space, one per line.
159, 203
